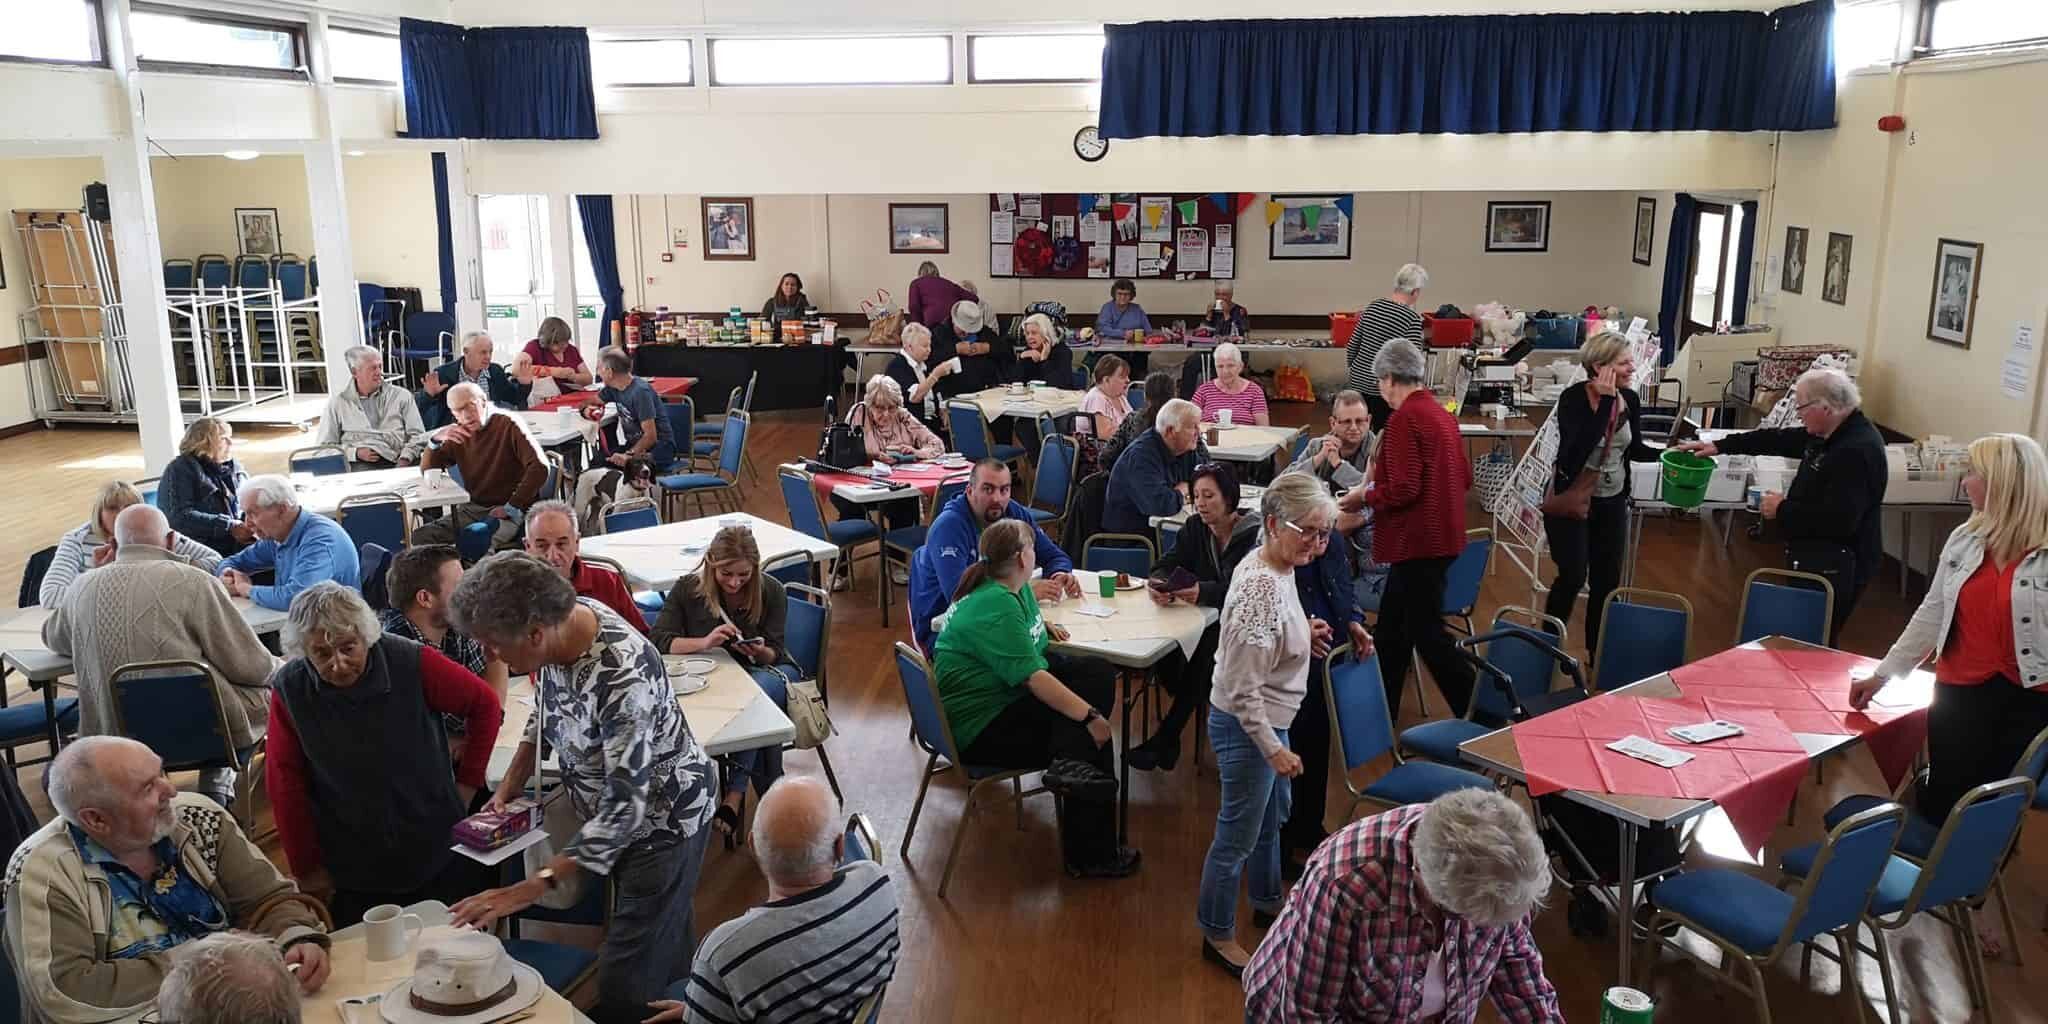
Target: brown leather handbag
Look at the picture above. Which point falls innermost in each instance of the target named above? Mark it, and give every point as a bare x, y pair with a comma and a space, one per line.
1576, 501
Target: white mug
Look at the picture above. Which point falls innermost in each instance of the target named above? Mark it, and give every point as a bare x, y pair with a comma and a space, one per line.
1223, 417
390, 931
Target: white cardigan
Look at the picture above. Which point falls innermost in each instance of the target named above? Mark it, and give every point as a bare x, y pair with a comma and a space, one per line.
1929, 627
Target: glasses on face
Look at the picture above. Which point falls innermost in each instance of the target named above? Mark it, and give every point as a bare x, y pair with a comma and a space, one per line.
1803, 406
1317, 537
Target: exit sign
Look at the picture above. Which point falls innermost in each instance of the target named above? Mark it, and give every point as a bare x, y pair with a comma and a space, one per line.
586, 312
501, 312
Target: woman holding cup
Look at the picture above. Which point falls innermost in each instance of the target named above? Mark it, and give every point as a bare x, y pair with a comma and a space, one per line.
918, 377
1232, 399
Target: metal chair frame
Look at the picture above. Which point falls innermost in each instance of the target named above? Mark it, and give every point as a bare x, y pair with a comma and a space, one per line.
246, 775
291, 460
353, 501
1767, 576
1622, 595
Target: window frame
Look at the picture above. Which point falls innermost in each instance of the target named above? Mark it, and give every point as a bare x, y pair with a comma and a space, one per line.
99, 45
711, 62
295, 30
351, 80
973, 79
689, 45
1923, 38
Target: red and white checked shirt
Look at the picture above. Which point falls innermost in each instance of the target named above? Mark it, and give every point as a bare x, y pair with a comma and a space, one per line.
1354, 943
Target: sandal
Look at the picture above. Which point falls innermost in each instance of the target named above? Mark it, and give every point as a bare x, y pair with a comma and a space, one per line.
726, 819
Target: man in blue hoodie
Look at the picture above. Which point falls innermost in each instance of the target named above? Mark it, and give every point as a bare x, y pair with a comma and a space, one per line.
954, 542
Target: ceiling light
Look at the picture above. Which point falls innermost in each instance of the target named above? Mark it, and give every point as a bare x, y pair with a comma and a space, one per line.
240, 154
355, 152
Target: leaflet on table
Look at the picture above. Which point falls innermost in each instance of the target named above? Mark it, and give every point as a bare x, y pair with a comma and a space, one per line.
1705, 732
1646, 750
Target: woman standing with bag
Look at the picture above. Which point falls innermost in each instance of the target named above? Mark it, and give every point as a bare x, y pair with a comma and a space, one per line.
1599, 432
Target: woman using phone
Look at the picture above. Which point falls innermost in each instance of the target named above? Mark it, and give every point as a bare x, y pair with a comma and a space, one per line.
1195, 571
1599, 429
730, 603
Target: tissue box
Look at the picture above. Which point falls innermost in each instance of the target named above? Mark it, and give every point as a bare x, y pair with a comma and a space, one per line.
488, 830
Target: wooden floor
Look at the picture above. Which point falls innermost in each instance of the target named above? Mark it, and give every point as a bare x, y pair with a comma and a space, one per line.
1019, 941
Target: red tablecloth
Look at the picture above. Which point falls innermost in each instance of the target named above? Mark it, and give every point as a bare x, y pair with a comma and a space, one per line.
1753, 777
922, 475
1809, 691
666, 387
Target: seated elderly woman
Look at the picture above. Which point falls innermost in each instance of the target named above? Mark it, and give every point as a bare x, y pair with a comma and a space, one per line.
730, 603
1232, 392
357, 766
198, 489
91, 544
1417, 913
1108, 403
1044, 355
1121, 316
892, 435
917, 377
1226, 318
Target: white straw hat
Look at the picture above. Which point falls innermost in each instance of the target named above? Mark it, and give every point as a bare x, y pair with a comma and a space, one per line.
461, 977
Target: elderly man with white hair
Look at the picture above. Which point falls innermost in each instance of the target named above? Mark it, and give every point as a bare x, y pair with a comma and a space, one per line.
375, 422
1388, 318
129, 871
229, 978
824, 942
501, 467
1151, 477
1832, 515
301, 545
475, 366
150, 605
1418, 913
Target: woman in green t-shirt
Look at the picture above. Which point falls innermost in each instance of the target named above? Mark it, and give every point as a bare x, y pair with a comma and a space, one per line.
1008, 708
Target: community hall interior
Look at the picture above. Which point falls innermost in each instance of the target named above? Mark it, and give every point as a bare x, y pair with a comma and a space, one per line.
1771, 270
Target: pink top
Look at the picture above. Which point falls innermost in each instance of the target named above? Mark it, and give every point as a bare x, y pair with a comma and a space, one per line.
1095, 403
540, 355
1245, 406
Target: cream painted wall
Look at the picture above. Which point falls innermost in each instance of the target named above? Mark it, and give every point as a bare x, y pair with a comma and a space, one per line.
391, 228
1832, 182
36, 184
196, 198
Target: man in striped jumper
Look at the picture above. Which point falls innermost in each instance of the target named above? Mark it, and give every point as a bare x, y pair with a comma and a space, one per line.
1381, 321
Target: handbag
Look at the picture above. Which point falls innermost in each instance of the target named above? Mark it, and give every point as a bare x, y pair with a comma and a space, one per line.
559, 818
1576, 501
844, 444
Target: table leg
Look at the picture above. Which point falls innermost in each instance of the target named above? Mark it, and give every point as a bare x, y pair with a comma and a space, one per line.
881, 521
1127, 697
49, 688
1625, 899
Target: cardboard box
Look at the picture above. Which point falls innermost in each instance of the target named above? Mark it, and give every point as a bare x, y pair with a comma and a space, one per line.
488, 830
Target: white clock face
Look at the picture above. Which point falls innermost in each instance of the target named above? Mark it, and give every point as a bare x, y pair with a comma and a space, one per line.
1089, 144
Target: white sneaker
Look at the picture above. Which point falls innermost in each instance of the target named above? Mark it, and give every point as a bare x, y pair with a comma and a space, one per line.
899, 575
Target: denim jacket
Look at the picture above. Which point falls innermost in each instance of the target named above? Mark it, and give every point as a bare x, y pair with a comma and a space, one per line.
1928, 629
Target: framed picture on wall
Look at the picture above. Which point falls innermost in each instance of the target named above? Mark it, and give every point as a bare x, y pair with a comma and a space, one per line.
728, 228
918, 227
1794, 277
1646, 229
1518, 226
1310, 227
1834, 283
256, 231
1952, 307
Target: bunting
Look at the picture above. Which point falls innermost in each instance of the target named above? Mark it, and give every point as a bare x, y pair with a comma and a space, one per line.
1311, 215
1189, 211
1087, 203
1121, 210
1344, 204
1273, 211
1244, 200
1222, 202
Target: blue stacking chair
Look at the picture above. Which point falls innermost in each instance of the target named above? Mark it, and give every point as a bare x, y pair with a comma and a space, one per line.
807, 635
789, 569
1052, 487
1801, 608
928, 725
1363, 730
722, 483
563, 968
742, 398
376, 562
682, 423
807, 516
291, 278
214, 271
1119, 552
630, 514
1643, 633
180, 275
1169, 533
898, 544
1301, 441
1514, 676
1754, 922
381, 519
705, 445
33, 722
474, 540
148, 486
319, 460
173, 708
429, 338
971, 435
1463, 578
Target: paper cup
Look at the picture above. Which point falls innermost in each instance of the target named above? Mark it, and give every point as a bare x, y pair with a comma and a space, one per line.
1106, 583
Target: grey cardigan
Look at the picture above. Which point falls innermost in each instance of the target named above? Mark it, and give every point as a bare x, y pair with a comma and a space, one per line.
1928, 629
75, 553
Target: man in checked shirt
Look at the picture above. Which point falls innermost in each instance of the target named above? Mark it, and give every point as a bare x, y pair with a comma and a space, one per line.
1415, 914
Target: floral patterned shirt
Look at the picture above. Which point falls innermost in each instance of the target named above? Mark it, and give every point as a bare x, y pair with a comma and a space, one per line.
632, 767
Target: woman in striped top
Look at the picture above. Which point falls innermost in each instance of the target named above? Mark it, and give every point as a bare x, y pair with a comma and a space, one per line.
1382, 321
1232, 390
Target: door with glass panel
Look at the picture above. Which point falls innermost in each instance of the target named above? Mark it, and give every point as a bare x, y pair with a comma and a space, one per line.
1710, 299
518, 275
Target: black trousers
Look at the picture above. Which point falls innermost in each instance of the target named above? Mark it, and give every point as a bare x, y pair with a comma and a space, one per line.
1975, 735
1188, 679
1588, 550
1412, 622
898, 514
1379, 408
1309, 738
459, 879
1845, 602
1030, 734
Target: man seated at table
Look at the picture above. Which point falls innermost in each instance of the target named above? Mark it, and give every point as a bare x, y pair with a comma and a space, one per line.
553, 537
985, 356
376, 423
826, 939
1151, 477
1416, 913
302, 546
475, 366
148, 605
128, 871
1340, 459
642, 427
501, 466
229, 978
954, 542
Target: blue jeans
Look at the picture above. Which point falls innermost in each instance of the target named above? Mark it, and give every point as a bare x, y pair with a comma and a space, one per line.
1256, 800
760, 766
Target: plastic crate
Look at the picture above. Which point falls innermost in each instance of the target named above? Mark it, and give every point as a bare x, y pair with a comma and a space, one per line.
1448, 332
1341, 326
1558, 332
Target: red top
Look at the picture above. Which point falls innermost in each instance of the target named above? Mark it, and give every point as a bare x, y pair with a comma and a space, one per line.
606, 586
570, 358
1418, 492
1980, 643
449, 689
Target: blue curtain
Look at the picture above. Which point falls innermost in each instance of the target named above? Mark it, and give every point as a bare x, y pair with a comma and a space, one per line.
1707, 71
446, 231
496, 83
600, 239
1798, 88
1677, 280
1745, 247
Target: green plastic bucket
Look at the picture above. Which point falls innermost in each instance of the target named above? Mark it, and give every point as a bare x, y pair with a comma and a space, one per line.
1685, 478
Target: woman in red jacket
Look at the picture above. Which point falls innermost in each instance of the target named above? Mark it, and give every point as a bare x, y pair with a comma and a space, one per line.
1417, 493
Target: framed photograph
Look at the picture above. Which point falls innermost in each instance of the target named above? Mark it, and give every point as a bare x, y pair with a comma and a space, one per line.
918, 227
1794, 277
1952, 308
728, 229
1519, 226
1646, 229
256, 230
1310, 227
1834, 284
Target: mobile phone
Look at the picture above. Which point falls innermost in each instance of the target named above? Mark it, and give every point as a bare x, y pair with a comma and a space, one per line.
1181, 579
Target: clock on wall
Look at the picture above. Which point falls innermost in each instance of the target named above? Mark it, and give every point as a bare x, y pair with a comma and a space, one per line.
1089, 144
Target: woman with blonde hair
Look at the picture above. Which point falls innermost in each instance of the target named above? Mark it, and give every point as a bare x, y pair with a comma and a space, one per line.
197, 492
1983, 620
1599, 430
91, 544
730, 603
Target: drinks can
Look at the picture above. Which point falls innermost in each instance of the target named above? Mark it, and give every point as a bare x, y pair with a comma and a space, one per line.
1754, 498
1620, 1005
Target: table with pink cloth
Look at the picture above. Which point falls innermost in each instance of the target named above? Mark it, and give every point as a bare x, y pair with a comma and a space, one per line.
925, 477
668, 388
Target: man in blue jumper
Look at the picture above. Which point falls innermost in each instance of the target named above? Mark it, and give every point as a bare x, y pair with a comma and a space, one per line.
1151, 477
954, 542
